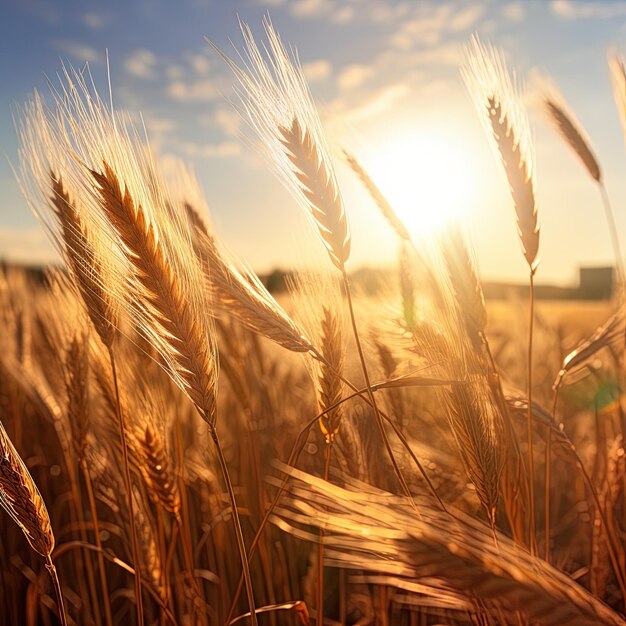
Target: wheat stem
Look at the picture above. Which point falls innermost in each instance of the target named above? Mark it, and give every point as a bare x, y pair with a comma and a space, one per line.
610, 218
548, 464
57, 589
245, 564
370, 393
320, 548
129, 492
531, 473
96, 530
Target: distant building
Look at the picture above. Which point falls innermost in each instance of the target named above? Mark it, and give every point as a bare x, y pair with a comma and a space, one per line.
595, 283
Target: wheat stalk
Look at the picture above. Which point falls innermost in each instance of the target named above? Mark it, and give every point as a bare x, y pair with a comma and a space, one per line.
276, 101
572, 131
506, 120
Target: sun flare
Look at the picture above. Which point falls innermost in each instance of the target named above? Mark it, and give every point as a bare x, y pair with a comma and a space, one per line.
429, 179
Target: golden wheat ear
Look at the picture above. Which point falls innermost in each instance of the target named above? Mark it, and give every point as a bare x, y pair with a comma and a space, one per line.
381, 202
237, 291
319, 309
187, 345
574, 134
559, 114
505, 120
21, 499
617, 68
277, 104
465, 284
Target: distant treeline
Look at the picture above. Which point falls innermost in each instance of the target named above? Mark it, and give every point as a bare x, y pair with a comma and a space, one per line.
595, 283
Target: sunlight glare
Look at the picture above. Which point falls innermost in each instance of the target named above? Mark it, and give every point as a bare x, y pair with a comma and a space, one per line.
429, 179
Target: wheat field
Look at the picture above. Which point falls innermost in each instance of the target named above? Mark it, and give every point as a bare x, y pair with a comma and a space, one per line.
179, 447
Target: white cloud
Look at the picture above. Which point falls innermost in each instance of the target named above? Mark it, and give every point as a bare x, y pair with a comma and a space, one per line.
429, 23
465, 19
228, 120
583, 10
425, 28
353, 76
95, 21
75, 50
199, 63
317, 70
514, 11
343, 15
310, 8
377, 104
203, 90
159, 125
445, 54
174, 72
141, 63
212, 150
381, 12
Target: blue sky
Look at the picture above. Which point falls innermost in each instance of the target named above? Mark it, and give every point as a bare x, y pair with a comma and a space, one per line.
385, 75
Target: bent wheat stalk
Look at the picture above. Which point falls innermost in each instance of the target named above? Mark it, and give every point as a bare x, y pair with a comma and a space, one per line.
375, 531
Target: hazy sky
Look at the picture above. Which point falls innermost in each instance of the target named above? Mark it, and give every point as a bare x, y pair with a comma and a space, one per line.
385, 76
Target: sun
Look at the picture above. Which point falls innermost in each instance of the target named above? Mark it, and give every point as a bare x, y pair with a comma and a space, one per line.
429, 179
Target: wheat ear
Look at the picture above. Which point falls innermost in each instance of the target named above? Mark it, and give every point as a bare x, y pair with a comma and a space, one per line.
21, 499
618, 82
84, 262
465, 285
320, 189
573, 133
186, 342
381, 202
237, 292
